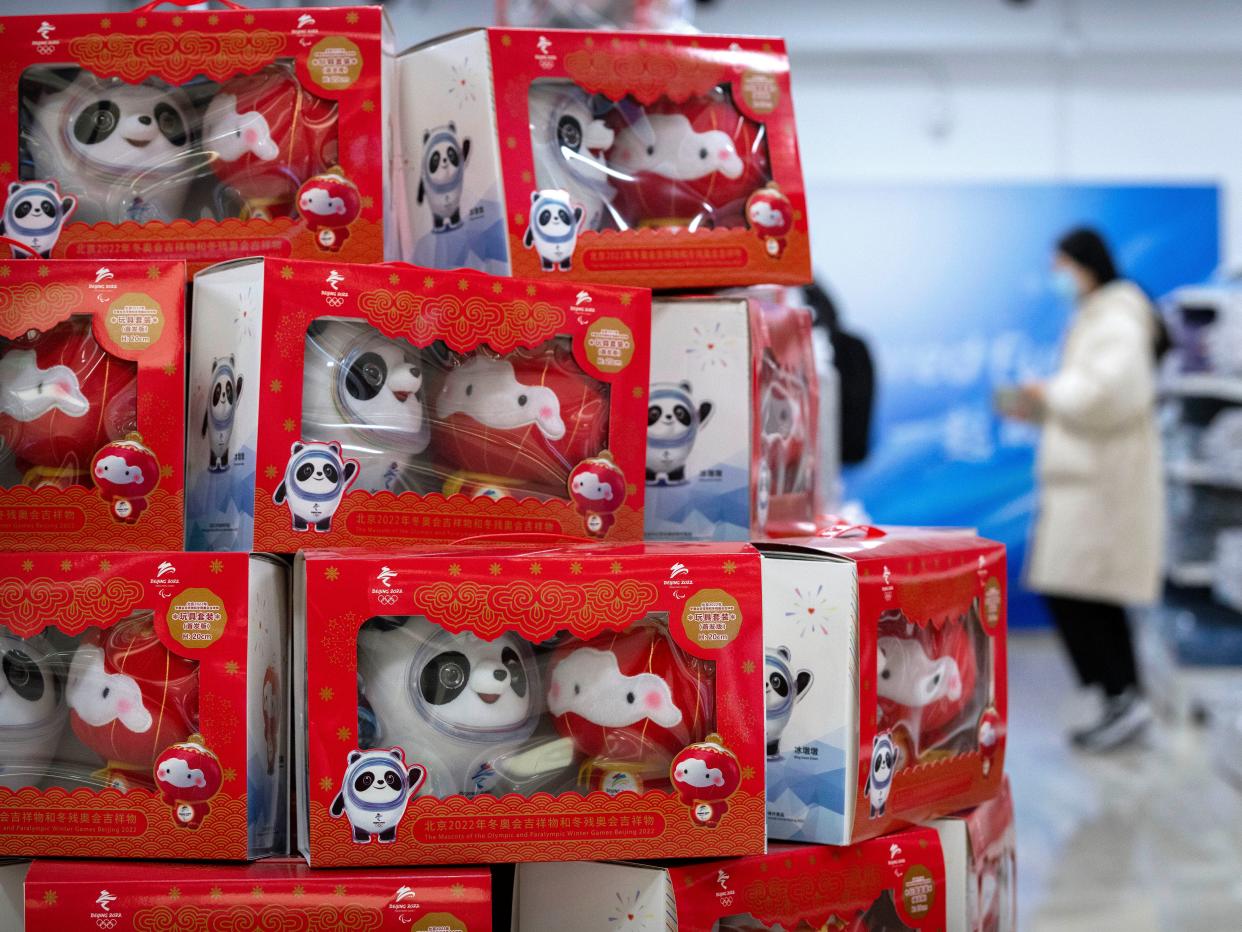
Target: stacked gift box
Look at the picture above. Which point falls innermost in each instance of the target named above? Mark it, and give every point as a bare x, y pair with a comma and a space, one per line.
480, 556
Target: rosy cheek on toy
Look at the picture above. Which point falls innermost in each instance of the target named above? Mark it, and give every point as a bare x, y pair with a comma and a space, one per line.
251, 137
555, 692
545, 412
124, 707
652, 701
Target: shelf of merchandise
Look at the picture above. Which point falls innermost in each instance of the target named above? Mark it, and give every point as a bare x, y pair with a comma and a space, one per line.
1197, 472
1205, 385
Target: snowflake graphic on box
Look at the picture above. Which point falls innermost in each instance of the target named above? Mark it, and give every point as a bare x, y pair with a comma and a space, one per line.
710, 347
810, 611
462, 87
630, 913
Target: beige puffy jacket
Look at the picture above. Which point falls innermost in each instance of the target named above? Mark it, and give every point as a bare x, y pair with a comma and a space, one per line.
1100, 530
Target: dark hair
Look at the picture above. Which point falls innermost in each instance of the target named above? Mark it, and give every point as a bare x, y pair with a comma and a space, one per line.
1087, 249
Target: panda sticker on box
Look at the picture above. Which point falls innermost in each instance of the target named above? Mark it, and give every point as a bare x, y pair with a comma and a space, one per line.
316, 479
34, 214
782, 690
376, 789
553, 228
458, 702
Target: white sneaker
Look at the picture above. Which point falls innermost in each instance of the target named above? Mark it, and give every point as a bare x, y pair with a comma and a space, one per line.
1125, 720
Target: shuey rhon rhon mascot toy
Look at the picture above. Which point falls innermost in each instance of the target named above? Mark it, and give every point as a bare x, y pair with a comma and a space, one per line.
597, 489
375, 791
365, 391
328, 204
457, 703
317, 477
62, 398
925, 682
880, 773
221, 410
32, 709
442, 174
568, 142
34, 213
126, 472
674, 419
187, 776
705, 774
689, 164
126, 151
523, 421
630, 702
770, 216
130, 698
553, 228
268, 135
782, 689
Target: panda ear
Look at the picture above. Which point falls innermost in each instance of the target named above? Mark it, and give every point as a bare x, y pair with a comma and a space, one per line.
14, 187
354, 756
784, 652
452, 127
426, 136
336, 447
397, 754
534, 196
686, 387
297, 447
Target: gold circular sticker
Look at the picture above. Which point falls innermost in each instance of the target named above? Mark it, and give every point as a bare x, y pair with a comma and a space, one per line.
918, 891
196, 618
712, 618
135, 321
334, 63
992, 602
437, 922
760, 91
609, 344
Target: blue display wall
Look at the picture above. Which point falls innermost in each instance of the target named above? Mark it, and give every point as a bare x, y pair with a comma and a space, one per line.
950, 286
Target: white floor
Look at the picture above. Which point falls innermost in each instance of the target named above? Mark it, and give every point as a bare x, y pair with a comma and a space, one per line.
1145, 839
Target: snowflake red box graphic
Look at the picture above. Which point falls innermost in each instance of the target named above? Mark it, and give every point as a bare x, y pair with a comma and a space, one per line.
375, 406
196, 135
666, 159
92, 399
144, 714
518, 703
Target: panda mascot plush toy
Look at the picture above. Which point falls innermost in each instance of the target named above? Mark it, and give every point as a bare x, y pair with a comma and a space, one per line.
782, 689
375, 791
126, 151
553, 229
317, 477
674, 419
442, 174
455, 702
32, 709
226, 388
365, 391
568, 141
34, 213
880, 773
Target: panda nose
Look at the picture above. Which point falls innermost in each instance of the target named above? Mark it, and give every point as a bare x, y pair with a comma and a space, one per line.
500, 675
144, 120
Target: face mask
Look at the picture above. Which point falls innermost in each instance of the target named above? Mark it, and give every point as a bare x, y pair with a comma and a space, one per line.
1063, 284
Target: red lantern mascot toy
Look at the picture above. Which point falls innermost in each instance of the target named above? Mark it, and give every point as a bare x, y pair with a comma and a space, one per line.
62, 398
187, 776
597, 489
267, 136
524, 420
705, 775
926, 680
126, 472
328, 204
629, 702
770, 215
130, 698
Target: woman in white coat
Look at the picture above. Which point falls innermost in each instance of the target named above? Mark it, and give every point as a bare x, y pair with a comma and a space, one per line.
1099, 536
